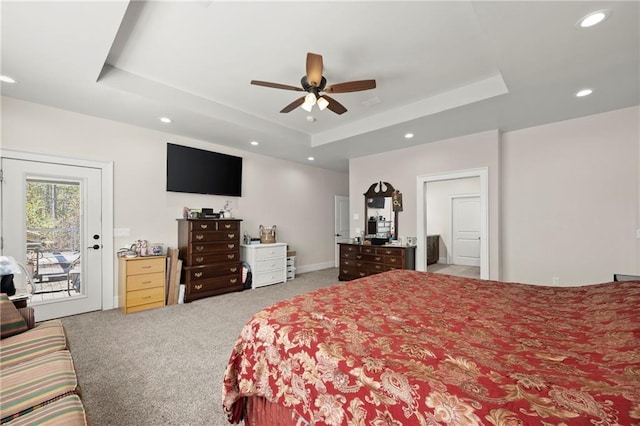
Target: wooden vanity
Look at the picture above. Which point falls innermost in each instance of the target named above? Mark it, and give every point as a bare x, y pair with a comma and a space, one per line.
359, 260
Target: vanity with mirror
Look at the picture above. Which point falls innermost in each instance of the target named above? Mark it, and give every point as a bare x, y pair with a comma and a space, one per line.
377, 249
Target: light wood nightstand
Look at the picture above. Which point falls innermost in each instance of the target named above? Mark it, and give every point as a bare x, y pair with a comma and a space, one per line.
141, 283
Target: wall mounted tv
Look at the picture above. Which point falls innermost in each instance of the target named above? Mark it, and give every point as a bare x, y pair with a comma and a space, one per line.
203, 172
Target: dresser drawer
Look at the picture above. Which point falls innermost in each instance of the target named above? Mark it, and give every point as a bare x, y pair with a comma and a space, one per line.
269, 277
393, 260
228, 225
270, 253
209, 258
209, 247
348, 251
203, 237
142, 281
269, 265
142, 297
348, 272
204, 272
145, 266
213, 284
388, 251
198, 250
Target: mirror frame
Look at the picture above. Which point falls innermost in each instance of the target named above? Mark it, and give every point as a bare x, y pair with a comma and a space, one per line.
380, 193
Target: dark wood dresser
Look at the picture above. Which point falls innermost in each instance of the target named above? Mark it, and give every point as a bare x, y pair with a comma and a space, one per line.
433, 249
210, 253
357, 260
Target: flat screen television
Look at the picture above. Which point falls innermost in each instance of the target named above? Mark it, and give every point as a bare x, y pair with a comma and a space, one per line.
198, 171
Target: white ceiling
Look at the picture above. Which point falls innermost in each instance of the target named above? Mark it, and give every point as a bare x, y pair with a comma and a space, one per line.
443, 69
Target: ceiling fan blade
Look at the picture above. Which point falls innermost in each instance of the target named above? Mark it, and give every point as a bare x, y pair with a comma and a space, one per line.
351, 86
293, 105
334, 105
314, 69
276, 85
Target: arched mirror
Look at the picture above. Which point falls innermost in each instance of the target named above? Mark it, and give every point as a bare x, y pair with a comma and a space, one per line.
382, 203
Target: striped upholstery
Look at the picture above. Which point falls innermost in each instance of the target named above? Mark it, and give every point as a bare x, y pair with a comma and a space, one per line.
37, 381
45, 338
67, 411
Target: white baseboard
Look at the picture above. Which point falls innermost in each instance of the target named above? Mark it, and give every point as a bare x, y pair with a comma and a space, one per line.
442, 260
314, 267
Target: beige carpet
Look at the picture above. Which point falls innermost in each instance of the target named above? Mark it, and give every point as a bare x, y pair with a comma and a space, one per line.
165, 366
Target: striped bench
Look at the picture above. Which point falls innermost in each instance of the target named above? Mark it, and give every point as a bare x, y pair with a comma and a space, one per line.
45, 338
31, 384
67, 411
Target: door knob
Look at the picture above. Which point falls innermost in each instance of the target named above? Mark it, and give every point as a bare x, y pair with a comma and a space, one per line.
95, 247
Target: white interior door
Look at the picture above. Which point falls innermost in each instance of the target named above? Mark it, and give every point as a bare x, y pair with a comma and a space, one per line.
342, 231
51, 224
465, 232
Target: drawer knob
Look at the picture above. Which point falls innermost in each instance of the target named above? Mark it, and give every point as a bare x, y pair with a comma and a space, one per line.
378, 258
362, 274
231, 245
146, 297
233, 269
198, 274
199, 237
199, 248
197, 286
146, 282
231, 236
227, 225
231, 256
199, 259
204, 225
146, 267
233, 280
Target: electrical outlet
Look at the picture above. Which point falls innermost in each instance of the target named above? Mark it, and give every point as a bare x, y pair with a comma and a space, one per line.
356, 216
556, 281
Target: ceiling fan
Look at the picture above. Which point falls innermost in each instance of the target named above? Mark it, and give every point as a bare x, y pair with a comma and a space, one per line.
315, 84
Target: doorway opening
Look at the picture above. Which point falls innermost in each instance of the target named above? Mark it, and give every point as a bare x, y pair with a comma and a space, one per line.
453, 226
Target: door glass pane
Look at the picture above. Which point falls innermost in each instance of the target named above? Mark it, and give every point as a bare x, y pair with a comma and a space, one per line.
53, 238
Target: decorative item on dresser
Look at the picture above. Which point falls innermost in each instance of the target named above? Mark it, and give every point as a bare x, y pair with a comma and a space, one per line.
210, 252
141, 283
268, 263
358, 260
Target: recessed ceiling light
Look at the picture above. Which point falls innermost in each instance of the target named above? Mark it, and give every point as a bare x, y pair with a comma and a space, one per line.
408, 135
255, 143
593, 18
583, 93
6, 79
165, 120
310, 158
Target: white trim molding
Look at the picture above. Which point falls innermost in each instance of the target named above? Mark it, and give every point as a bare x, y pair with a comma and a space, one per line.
421, 199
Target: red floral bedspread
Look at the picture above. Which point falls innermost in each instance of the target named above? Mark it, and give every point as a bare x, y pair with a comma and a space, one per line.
416, 348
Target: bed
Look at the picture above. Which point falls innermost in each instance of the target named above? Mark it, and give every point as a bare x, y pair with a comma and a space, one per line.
417, 348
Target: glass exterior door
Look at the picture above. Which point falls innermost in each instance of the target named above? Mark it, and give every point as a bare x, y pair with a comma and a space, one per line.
51, 226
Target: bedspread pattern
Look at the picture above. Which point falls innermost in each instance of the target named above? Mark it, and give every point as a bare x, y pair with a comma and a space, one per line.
408, 347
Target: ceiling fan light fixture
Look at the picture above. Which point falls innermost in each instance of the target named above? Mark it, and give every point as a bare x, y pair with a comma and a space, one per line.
322, 103
307, 107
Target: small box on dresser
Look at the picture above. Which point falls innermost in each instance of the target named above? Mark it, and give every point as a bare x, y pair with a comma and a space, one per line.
210, 253
268, 263
141, 283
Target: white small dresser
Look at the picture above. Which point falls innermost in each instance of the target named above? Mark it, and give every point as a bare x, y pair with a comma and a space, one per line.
268, 263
